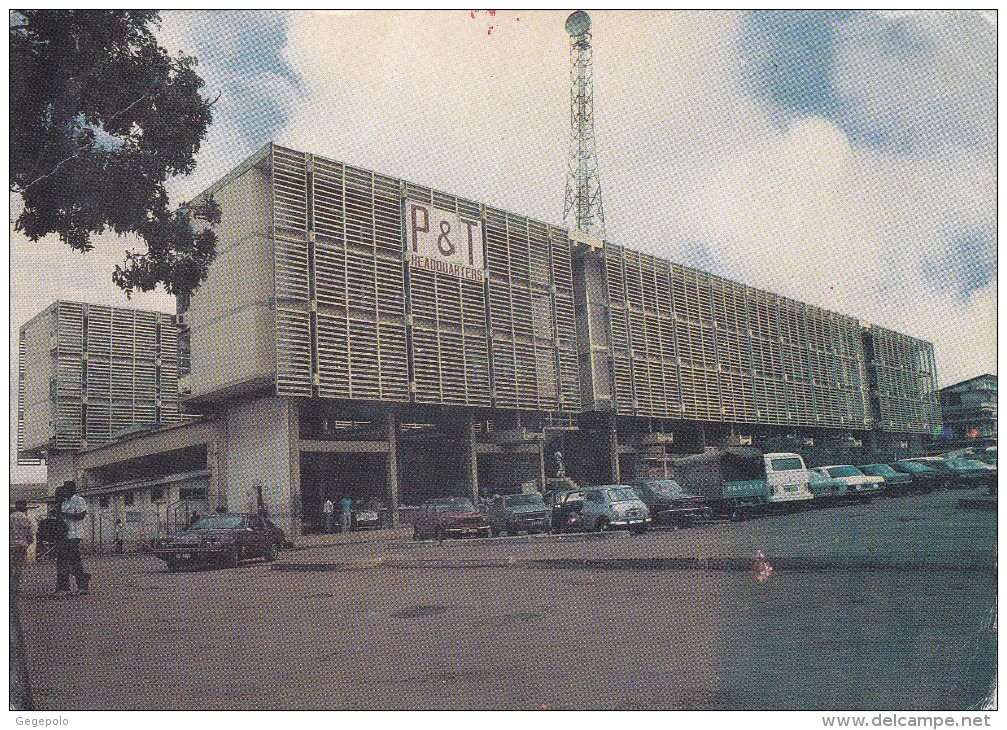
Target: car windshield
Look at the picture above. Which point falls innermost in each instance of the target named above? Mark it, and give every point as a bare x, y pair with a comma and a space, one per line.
217, 522
663, 488
966, 464
622, 495
788, 464
879, 470
454, 505
845, 471
914, 468
520, 500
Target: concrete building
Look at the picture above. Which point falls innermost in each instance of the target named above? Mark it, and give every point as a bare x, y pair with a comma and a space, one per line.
969, 412
358, 334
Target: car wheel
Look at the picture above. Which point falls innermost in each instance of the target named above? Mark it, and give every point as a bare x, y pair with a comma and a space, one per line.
601, 525
172, 564
272, 552
232, 557
737, 516
495, 532
440, 534
640, 530
416, 534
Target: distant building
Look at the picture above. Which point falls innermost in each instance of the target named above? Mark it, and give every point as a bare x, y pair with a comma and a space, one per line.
969, 411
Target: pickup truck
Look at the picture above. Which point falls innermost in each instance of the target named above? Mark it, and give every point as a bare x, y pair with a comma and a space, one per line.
739, 481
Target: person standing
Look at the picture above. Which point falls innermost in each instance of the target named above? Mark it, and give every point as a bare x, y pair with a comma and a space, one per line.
347, 512
328, 509
73, 510
22, 534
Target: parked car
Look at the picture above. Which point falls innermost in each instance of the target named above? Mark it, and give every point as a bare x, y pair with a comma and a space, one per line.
514, 513
858, 484
970, 473
925, 478
895, 482
367, 517
449, 517
564, 506
614, 506
222, 538
669, 503
826, 489
960, 473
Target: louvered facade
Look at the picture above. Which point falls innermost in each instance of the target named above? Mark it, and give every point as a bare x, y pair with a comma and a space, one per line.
904, 378
89, 372
356, 319
694, 346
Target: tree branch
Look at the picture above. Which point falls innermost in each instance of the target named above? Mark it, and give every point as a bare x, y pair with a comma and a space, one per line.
82, 147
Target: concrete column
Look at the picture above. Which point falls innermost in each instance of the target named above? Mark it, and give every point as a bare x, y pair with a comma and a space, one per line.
613, 448
541, 467
294, 426
218, 473
471, 461
393, 466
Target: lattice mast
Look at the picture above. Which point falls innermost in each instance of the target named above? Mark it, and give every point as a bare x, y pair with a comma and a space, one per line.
582, 208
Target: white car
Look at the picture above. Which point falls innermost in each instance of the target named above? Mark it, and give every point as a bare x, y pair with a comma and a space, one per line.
614, 507
858, 484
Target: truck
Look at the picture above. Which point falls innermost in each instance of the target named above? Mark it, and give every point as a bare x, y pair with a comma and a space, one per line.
741, 481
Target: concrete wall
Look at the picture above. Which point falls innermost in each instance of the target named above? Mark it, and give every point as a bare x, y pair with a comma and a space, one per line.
229, 316
60, 466
258, 455
144, 520
37, 408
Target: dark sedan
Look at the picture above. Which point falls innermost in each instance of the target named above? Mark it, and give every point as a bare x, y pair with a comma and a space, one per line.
669, 504
925, 479
222, 538
961, 473
896, 482
449, 517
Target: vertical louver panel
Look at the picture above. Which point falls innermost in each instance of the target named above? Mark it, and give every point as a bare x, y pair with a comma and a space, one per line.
293, 352
22, 362
904, 387
69, 376
290, 192
359, 284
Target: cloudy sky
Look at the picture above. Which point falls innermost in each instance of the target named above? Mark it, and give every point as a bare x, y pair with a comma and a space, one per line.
844, 159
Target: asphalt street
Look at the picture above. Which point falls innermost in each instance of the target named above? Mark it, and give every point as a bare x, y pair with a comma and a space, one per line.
887, 606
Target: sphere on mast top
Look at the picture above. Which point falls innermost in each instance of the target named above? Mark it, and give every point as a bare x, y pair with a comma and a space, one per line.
578, 23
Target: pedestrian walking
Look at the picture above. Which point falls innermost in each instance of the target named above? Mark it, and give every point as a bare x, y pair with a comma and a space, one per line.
347, 512
328, 510
22, 534
73, 510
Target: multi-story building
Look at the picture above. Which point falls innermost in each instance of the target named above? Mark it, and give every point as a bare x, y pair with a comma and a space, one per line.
358, 334
969, 412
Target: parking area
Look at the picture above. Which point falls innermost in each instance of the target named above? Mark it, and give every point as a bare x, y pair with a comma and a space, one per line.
882, 606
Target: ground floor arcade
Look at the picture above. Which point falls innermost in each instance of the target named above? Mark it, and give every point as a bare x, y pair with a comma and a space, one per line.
285, 457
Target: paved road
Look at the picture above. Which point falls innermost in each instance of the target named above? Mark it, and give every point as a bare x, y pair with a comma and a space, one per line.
881, 606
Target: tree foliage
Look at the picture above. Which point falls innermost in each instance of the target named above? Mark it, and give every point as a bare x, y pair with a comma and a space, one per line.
101, 116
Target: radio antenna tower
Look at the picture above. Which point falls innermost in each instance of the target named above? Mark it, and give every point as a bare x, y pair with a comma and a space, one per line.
582, 208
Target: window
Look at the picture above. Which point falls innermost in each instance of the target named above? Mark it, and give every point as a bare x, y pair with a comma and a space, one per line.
192, 493
156, 494
788, 464
127, 499
103, 502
